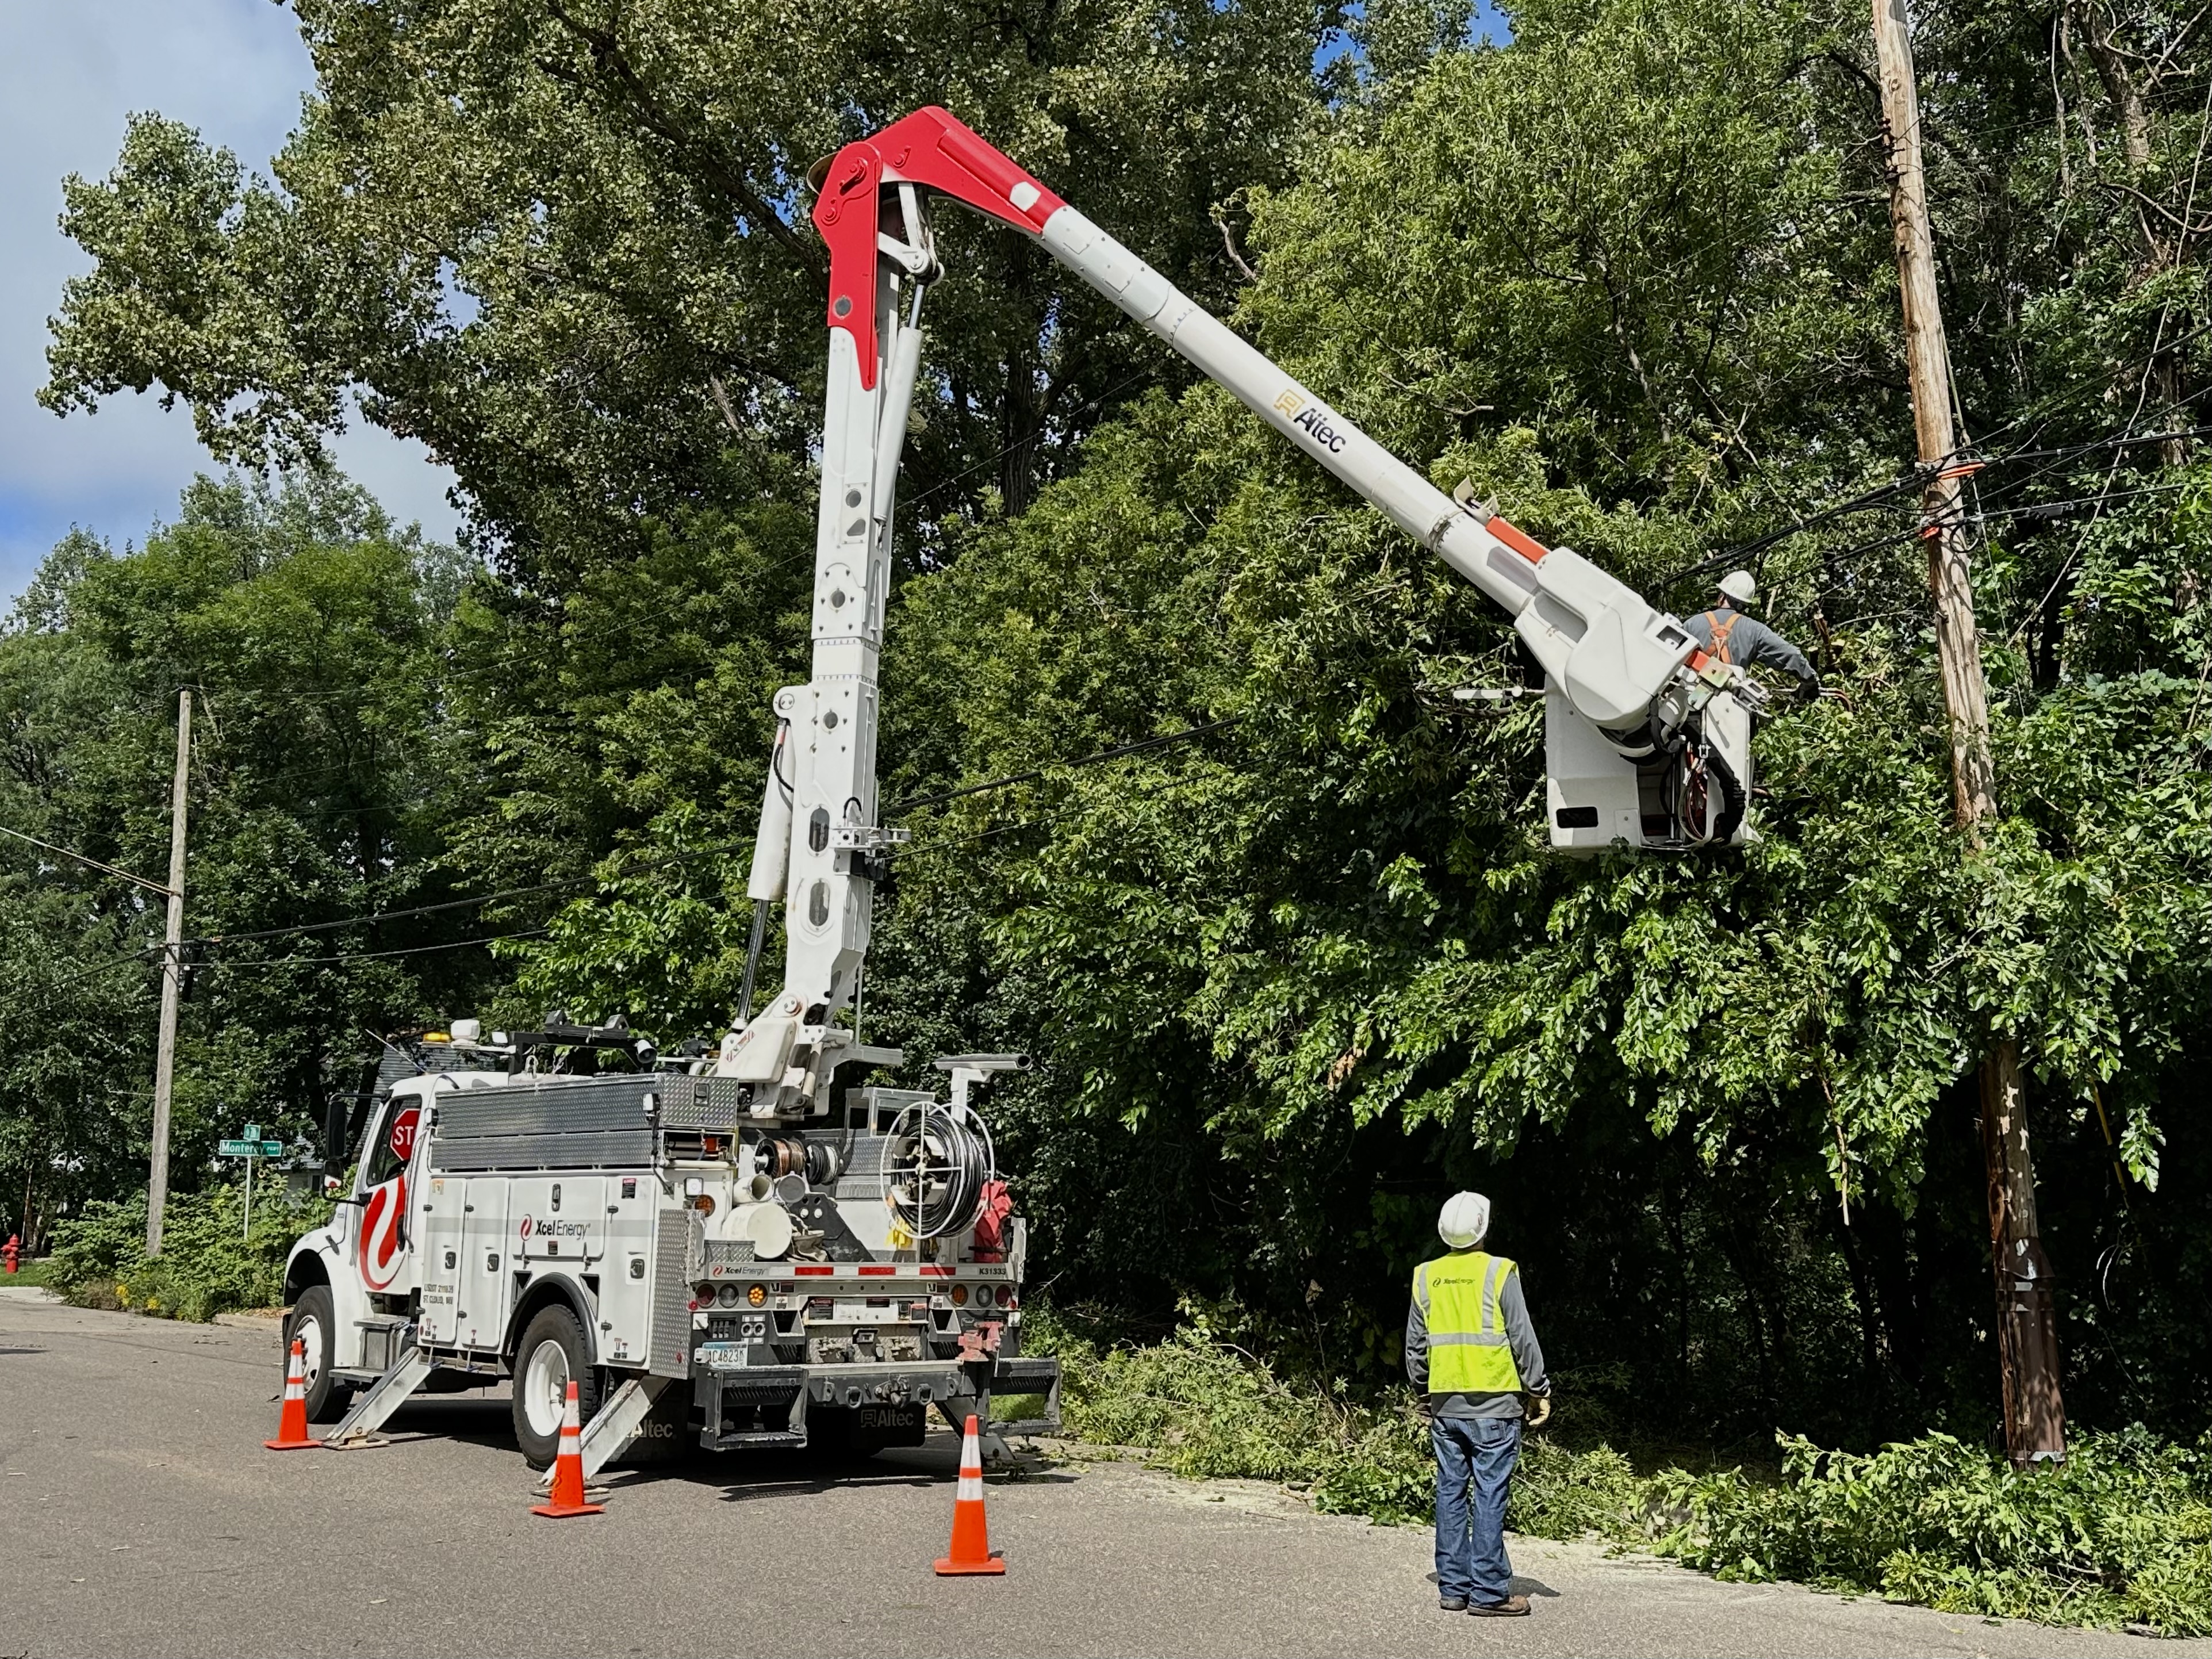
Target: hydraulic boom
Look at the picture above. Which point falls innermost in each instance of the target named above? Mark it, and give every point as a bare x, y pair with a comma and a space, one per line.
1647, 741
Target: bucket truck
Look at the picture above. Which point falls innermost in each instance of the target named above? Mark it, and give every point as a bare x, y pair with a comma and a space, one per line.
638, 1221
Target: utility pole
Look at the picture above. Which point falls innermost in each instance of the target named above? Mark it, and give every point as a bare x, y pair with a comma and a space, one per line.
2027, 1329
164, 1048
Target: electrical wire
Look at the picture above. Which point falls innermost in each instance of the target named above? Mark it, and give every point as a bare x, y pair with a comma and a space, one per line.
104, 869
235, 963
1916, 479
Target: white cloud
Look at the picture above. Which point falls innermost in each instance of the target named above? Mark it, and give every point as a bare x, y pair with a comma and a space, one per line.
70, 71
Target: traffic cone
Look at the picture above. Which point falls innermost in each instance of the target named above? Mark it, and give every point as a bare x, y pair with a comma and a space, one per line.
567, 1496
292, 1423
971, 1537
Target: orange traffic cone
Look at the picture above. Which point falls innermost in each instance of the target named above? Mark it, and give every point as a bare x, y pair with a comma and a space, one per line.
292, 1422
971, 1537
567, 1496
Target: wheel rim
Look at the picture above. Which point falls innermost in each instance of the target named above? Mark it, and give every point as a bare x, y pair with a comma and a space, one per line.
308, 1332
545, 1387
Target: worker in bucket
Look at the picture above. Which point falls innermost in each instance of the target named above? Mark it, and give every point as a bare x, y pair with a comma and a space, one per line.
1726, 633
1472, 1355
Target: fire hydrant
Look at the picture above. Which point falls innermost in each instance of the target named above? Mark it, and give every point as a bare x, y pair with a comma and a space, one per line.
9, 1252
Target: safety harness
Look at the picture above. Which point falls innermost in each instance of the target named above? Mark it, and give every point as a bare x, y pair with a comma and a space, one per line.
1722, 623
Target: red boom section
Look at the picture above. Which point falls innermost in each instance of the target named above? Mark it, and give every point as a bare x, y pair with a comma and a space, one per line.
934, 150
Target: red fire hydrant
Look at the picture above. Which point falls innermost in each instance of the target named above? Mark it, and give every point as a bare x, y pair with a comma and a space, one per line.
9, 1252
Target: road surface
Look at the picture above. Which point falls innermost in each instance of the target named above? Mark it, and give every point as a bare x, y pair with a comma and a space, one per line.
142, 1516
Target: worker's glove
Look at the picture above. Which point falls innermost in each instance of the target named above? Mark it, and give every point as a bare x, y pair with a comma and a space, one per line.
1425, 1408
1808, 690
1539, 1410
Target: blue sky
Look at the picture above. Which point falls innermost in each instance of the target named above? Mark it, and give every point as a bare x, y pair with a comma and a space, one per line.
70, 71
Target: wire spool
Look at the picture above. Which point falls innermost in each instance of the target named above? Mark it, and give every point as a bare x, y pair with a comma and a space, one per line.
935, 1168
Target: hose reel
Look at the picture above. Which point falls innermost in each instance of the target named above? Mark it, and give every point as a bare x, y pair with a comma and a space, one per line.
935, 1169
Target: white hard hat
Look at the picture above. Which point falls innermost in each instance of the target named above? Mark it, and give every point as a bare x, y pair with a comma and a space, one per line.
1465, 1219
1739, 586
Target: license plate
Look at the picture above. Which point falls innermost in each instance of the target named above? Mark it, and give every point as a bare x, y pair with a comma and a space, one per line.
723, 1356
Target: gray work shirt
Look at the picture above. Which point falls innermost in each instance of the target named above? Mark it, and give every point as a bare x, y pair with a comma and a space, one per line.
1751, 643
1520, 1336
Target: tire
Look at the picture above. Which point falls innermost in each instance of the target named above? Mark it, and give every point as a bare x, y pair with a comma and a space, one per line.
552, 1354
313, 1320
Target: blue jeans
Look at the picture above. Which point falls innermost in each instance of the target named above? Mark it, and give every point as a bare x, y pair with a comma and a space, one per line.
1475, 1457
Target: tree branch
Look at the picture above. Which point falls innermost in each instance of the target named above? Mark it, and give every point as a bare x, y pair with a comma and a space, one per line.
731, 181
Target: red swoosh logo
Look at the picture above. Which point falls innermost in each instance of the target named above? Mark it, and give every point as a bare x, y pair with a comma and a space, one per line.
381, 1250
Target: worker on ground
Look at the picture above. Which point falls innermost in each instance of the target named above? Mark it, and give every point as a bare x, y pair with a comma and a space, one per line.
1726, 633
1472, 1355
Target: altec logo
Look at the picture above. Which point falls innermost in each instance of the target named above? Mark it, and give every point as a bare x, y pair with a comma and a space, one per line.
1318, 428
1311, 419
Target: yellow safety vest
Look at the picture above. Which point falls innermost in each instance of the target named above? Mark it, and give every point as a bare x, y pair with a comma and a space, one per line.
1458, 1297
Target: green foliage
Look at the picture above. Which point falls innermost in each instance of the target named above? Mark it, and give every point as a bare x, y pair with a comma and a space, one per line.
567, 249
1205, 1409
309, 629
208, 1263
2121, 1534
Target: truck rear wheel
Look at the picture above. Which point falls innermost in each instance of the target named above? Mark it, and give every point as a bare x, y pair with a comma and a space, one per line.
315, 1324
552, 1354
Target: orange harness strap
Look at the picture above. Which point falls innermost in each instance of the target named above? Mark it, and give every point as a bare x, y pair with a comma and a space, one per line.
1722, 626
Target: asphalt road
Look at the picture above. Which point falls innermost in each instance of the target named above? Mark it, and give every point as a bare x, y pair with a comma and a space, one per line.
138, 1513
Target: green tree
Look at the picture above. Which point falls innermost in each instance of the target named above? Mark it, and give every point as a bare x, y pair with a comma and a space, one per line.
307, 628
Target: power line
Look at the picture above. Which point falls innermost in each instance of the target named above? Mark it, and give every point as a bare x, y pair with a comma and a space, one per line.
1883, 494
374, 956
106, 869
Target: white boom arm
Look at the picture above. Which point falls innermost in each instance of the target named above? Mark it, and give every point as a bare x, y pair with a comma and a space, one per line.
1647, 741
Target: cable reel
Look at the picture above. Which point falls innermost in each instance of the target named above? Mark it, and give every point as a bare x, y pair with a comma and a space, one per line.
939, 1161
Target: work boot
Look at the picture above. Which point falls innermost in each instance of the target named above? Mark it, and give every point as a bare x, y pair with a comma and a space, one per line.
1513, 1607
1452, 1603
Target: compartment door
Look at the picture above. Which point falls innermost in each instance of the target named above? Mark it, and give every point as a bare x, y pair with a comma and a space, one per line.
487, 1268
563, 1217
626, 1275
443, 1219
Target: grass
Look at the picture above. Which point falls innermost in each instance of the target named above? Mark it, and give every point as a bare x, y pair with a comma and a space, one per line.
30, 1270
2119, 1537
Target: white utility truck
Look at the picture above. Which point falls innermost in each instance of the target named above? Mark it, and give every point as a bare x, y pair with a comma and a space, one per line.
805, 1259
632, 1229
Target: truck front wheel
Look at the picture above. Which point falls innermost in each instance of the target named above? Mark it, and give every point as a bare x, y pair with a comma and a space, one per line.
552, 1351
315, 1325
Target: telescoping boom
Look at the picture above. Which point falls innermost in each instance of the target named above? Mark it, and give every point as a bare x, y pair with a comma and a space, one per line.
1647, 740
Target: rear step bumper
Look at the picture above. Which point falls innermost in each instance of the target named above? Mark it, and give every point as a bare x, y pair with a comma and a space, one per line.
768, 1405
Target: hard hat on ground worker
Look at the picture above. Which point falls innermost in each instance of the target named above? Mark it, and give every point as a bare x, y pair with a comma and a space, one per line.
1739, 586
1465, 1219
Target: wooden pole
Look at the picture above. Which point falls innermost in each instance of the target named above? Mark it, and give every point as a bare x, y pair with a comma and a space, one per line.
2027, 1330
165, 1047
